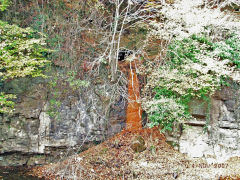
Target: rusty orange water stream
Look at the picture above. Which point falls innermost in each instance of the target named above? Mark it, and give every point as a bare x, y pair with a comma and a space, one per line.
134, 110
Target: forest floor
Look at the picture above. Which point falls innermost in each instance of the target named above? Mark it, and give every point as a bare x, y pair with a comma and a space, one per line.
116, 159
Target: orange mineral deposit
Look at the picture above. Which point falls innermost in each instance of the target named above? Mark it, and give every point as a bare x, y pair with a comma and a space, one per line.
134, 110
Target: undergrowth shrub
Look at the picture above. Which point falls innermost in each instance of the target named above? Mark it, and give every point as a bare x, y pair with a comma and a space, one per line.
22, 53
196, 68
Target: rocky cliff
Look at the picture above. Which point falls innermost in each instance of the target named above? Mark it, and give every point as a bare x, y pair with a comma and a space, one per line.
31, 136
89, 116
215, 134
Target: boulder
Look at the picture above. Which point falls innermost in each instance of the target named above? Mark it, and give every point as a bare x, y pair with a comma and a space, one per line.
138, 145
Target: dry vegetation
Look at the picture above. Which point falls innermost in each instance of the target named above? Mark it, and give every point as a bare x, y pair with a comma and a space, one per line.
114, 159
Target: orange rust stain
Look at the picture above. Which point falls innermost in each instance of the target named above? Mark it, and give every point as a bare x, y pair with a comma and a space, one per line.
134, 110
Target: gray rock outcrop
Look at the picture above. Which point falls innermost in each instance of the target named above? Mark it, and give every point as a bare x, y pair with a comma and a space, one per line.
84, 117
215, 132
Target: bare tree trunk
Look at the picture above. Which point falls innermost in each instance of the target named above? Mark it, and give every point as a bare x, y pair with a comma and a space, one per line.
116, 37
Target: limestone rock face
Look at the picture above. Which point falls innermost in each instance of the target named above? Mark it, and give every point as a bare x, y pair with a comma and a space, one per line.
84, 118
194, 142
215, 133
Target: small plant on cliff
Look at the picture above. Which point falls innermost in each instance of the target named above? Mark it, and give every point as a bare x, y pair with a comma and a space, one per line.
6, 105
74, 82
22, 53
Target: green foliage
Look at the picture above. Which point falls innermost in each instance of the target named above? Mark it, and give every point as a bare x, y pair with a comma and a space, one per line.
54, 105
153, 149
38, 22
196, 68
54, 101
4, 4
180, 50
229, 49
169, 108
6, 105
165, 112
22, 53
74, 82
